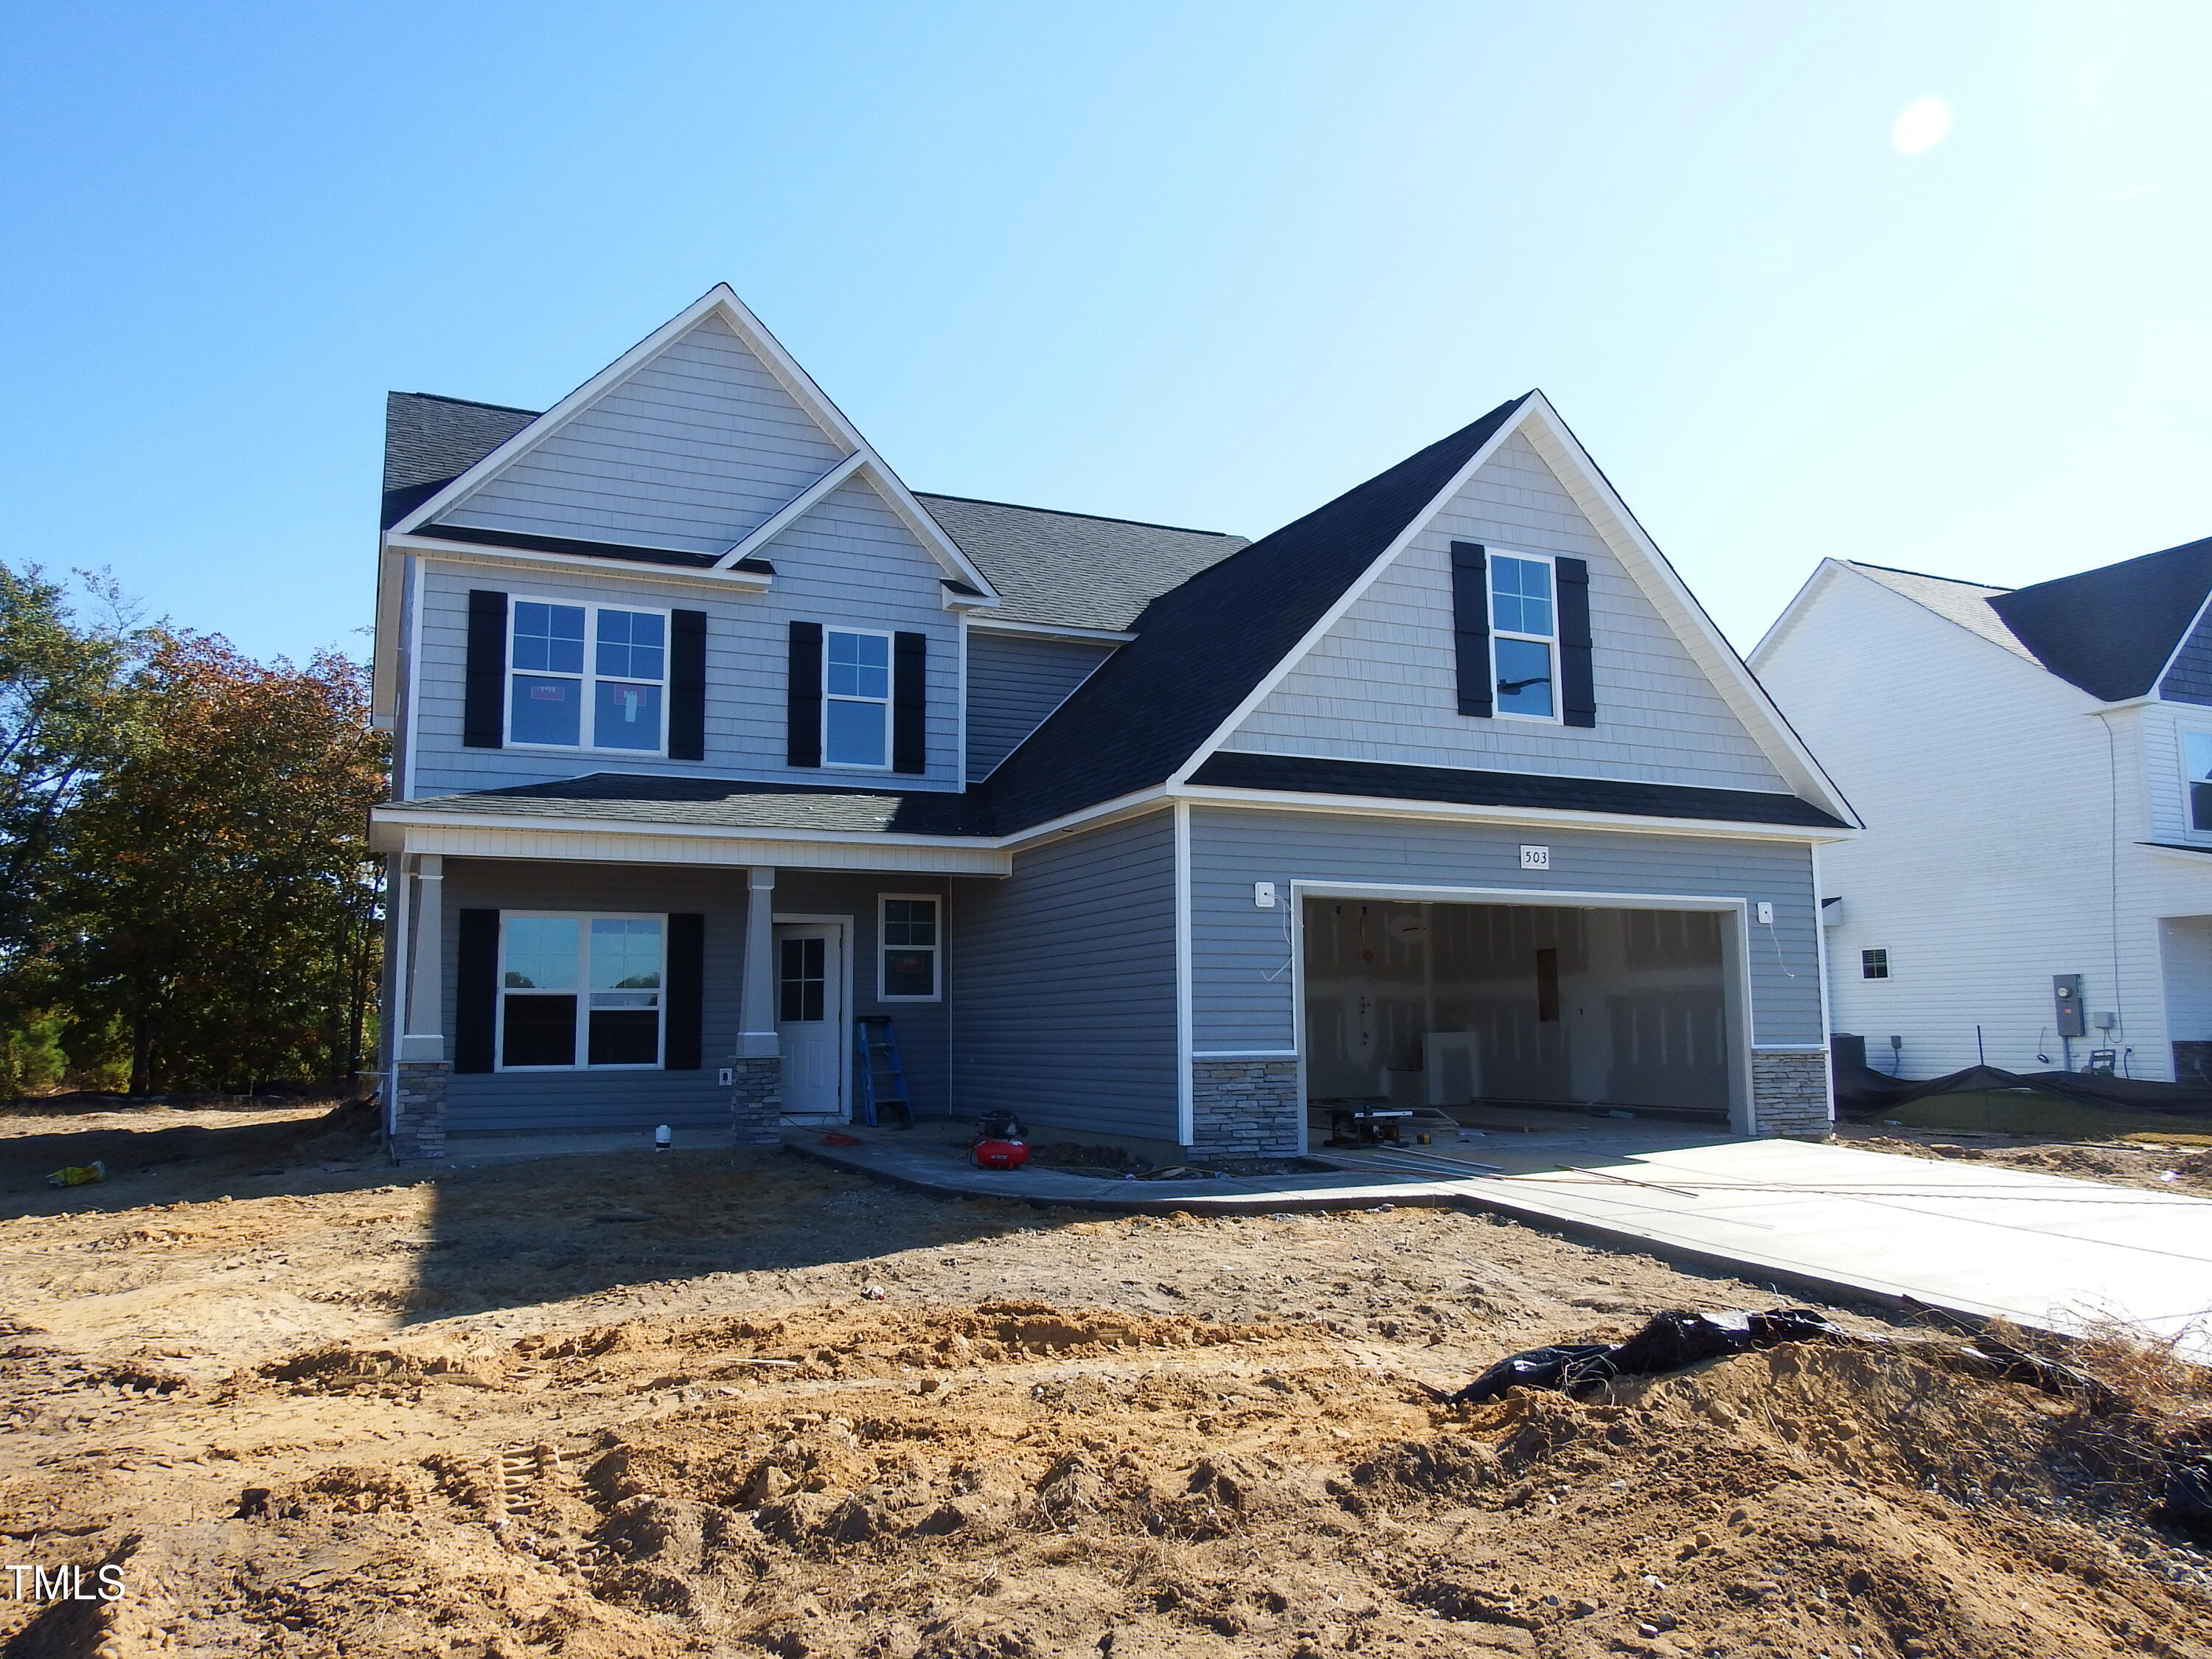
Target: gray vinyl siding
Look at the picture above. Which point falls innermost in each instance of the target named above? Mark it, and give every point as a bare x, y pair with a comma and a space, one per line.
1013, 682
1242, 995
563, 1102
1382, 685
924, 1030
2190, 679
858, 576
696, 448
1064, 982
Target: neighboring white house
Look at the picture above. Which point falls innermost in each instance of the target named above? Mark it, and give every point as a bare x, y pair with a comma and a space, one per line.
2034, 768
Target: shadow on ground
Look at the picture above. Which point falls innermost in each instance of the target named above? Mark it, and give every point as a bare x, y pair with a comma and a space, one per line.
519, 1234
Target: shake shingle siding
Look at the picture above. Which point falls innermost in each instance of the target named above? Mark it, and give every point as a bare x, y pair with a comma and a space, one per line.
1382, 685
1064, 1010
694, 450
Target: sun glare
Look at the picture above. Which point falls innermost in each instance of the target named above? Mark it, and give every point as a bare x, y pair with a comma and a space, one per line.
1921, 125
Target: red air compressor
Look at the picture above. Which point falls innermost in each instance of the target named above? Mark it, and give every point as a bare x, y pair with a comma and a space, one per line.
998, 1143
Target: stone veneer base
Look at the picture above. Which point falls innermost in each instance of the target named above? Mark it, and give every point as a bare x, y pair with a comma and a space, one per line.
1790, 1095
1245, 1108
418, 1115
756, 1100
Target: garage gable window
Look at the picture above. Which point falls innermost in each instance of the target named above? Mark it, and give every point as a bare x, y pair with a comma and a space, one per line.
1524, 630
580, 990
2196, 760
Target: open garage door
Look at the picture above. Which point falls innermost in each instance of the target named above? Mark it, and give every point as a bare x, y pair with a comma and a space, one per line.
1452, 1005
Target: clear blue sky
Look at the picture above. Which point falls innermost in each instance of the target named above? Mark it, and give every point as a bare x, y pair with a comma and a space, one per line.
1203, 264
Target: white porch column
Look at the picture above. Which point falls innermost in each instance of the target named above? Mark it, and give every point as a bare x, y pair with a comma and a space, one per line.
757, 1004
423, 1034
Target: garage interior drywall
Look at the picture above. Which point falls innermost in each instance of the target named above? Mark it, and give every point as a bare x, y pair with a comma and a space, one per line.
1563, 1005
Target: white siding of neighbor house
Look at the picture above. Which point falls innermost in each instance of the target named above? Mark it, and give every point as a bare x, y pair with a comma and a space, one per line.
691, 451
1013, 682
1064, 985
849, 562
2006, 812
1242, 988
1382, 684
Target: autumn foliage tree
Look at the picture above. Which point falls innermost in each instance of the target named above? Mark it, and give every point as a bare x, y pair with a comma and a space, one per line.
210, 900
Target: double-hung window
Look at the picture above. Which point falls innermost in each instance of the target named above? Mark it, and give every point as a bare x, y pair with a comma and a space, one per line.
2196, 761
856, 703
581, 990
587, 676
910, 945
1523, 635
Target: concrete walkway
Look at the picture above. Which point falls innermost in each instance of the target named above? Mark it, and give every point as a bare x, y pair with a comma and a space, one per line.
2039, 1249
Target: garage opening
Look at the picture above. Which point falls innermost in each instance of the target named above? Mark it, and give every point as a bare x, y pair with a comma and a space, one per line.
1450, 1005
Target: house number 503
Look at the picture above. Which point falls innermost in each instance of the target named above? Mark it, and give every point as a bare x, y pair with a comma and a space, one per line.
1535, 858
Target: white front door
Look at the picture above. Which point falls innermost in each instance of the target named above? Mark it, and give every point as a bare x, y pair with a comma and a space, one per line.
810, 1017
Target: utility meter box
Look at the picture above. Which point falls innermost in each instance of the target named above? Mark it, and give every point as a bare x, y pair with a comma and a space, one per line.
2066, 1001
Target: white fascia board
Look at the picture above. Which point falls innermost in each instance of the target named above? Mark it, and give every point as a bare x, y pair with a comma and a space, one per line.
1671, 597
1350, 597
1801, 602
743, 582
1532, 817
398, 828
789, 513
1047, 630
1134, 804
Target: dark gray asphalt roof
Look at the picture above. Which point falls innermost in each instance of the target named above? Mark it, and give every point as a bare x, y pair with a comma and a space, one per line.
727, 803
1071, 568
2110, 630
1231, 770
429, 442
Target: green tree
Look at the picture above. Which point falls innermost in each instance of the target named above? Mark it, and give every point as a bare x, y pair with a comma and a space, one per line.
213, 894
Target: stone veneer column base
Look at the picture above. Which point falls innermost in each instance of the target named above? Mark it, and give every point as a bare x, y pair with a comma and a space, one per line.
755, 1100
418, 1116
1790, 1095
1244, 1107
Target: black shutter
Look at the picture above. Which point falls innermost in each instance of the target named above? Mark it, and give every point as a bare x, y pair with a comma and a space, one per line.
687, 975
910, 702
476, 991
1578, 695
1470, 627
687, 685
803, 740
483, 719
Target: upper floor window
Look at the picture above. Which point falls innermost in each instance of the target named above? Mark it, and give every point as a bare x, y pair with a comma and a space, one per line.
2196, 760
856, 704
1873, 964
577, 990
1524, 632
587, 676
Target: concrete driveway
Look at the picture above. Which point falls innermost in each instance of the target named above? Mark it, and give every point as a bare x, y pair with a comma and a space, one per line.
2041, 1249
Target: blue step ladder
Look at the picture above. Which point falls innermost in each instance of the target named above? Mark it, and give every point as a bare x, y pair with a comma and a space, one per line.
879, 1079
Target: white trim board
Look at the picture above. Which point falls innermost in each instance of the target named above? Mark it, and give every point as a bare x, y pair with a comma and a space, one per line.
523, 558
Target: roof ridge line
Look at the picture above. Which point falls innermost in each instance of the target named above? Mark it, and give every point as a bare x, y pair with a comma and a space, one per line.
1928, 576
1069, 513
473, 403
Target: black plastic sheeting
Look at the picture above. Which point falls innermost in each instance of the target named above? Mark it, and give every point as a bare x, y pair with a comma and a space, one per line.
1671, 1342
1862, 1093
1675, 1341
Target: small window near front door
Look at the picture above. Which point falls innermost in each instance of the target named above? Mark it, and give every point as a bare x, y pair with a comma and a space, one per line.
800, 974
908, 946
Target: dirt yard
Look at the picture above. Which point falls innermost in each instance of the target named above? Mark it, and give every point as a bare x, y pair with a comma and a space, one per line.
713, 1403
